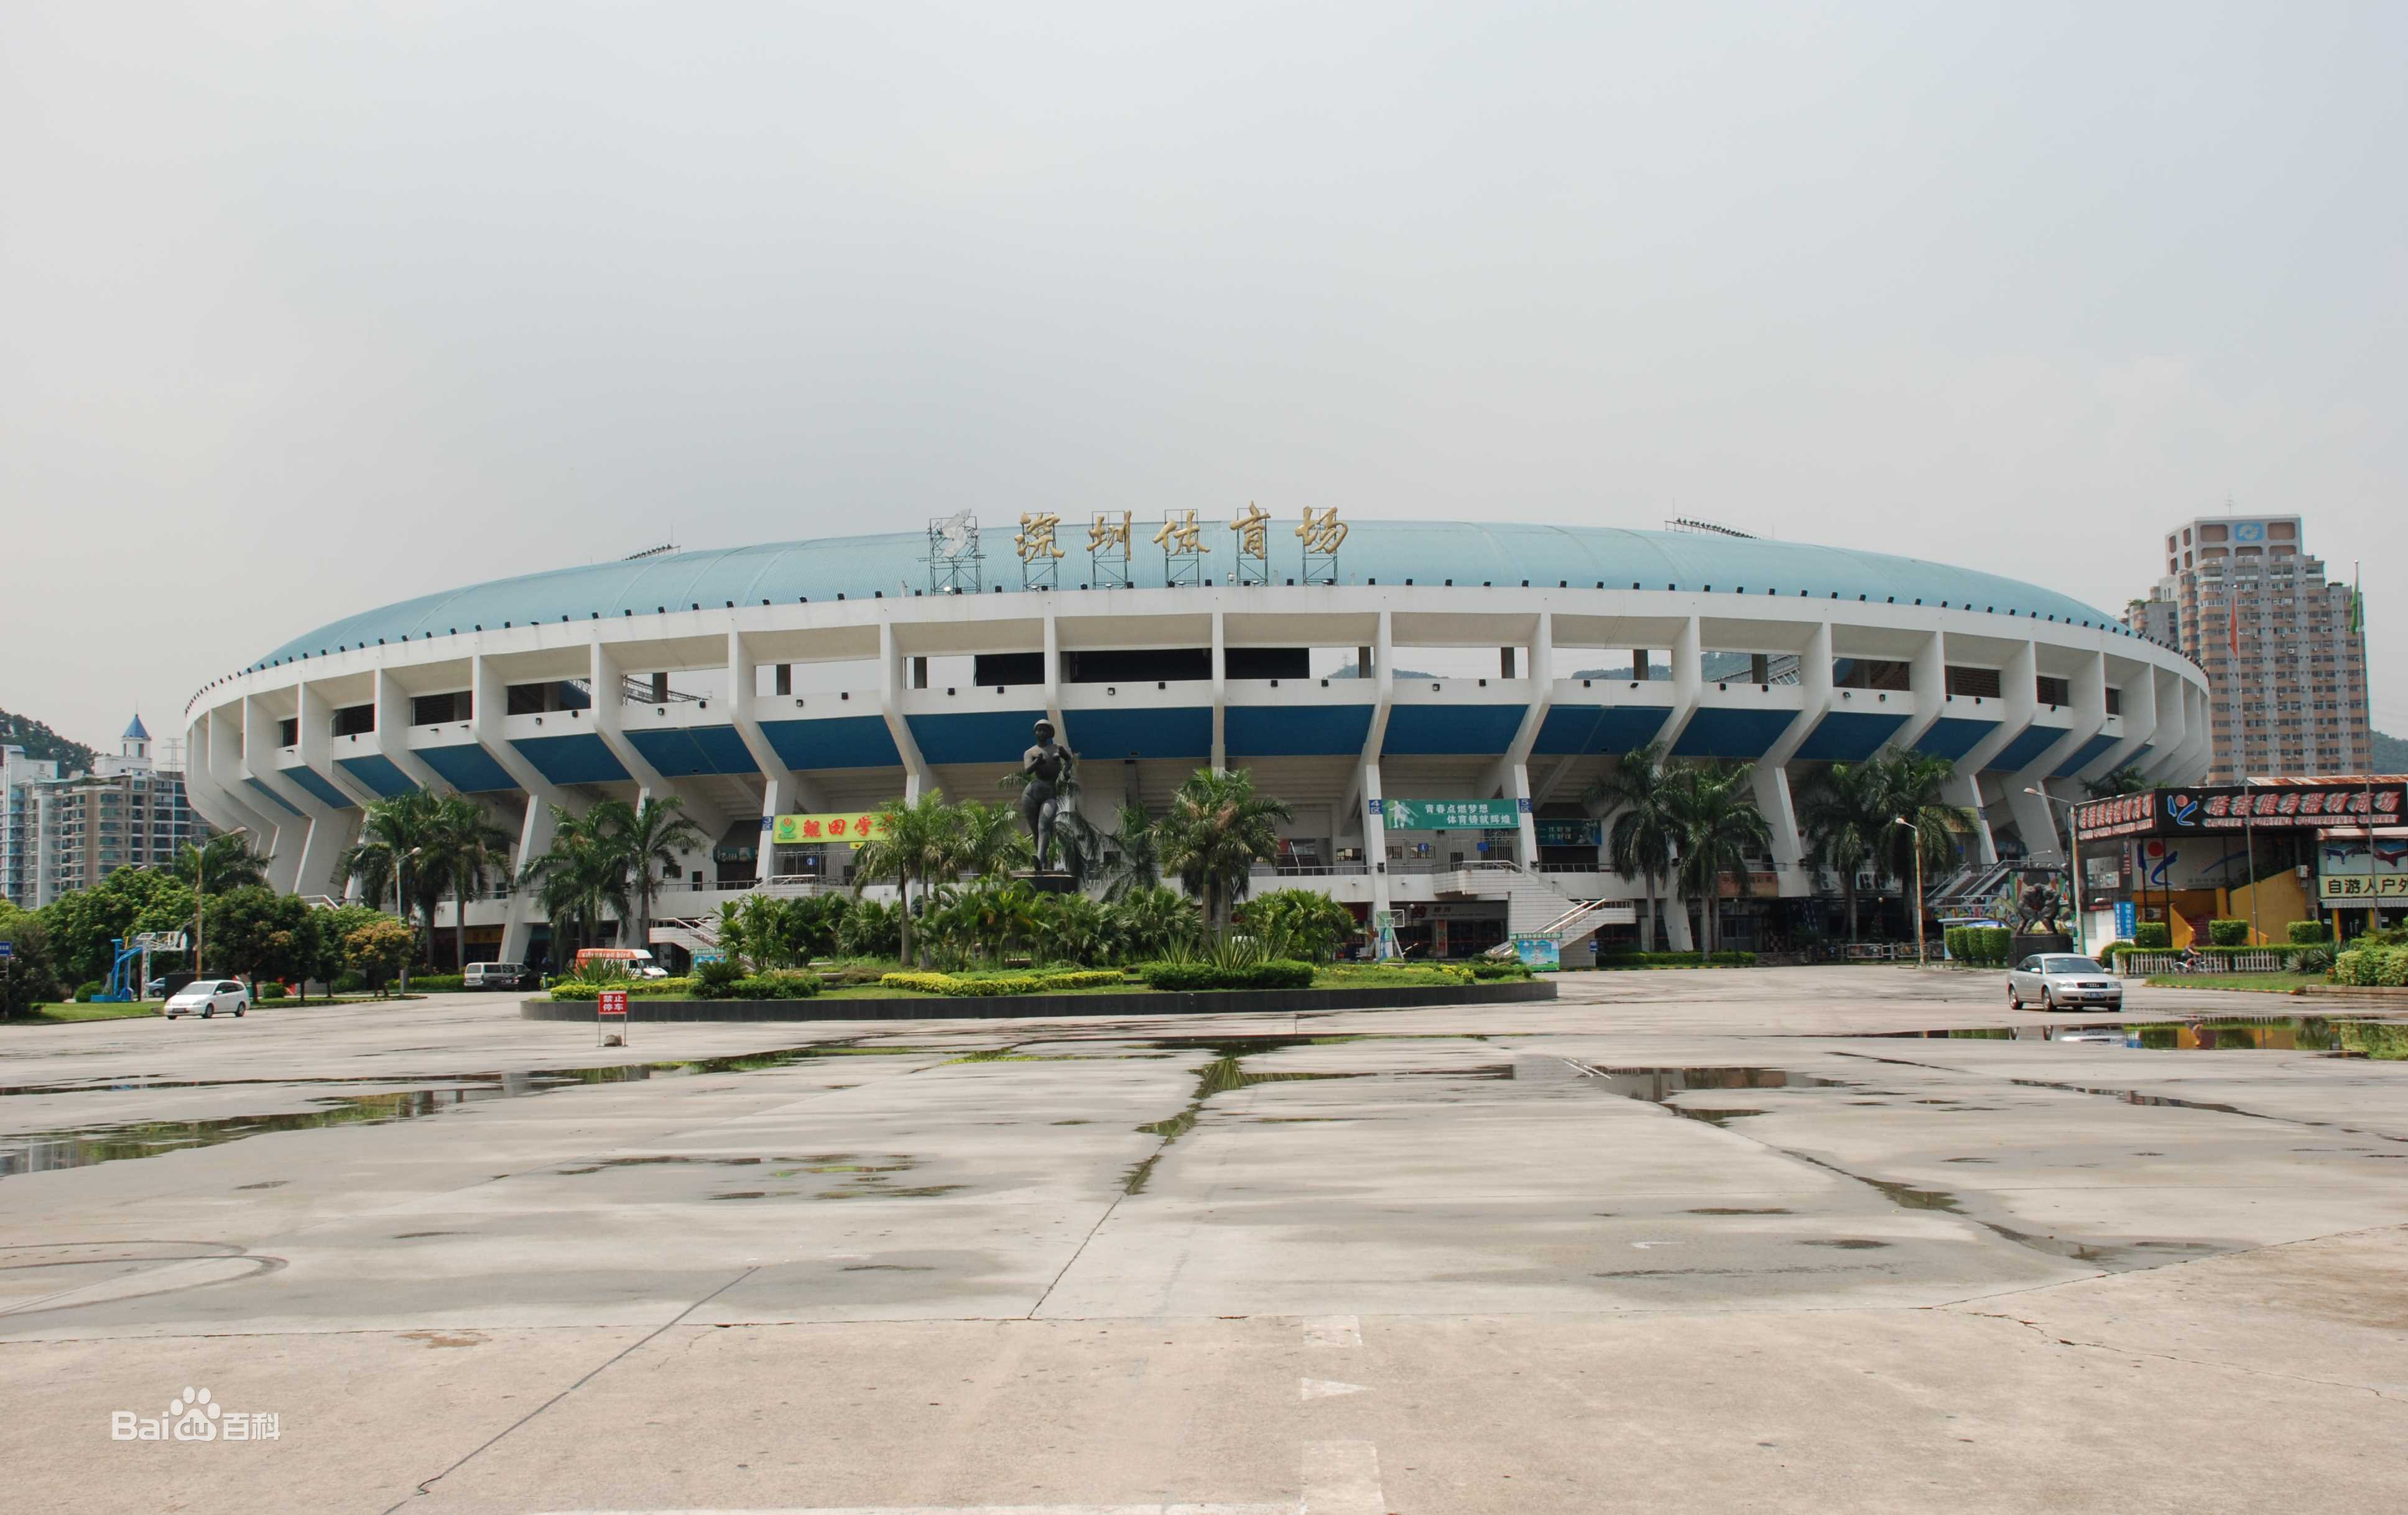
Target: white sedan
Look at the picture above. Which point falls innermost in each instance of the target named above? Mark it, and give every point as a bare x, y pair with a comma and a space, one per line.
205, 997
2059, 982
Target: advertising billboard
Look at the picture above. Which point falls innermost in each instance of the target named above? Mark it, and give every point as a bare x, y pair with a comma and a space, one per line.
2288, 805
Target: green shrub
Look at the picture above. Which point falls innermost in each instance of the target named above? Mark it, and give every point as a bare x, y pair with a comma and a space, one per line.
993, 985
1731, 957
2317, 959
2153, 936
2372, 966
2308, 934
1951, 942
781, 985
84, 992
1267, 973
351, 983
573, 989
1489, 969
1180, 975
717, 980
270, 990
434, 983
2228, 933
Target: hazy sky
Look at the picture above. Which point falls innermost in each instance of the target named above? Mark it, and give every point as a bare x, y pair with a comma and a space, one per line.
305, 309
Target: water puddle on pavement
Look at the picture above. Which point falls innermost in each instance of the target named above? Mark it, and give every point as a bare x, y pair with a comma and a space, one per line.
43, 1151
2380, 1041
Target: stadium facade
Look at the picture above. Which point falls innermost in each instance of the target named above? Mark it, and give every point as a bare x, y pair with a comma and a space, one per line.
1432, 698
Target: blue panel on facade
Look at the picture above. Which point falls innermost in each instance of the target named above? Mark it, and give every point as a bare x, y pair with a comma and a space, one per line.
273, 797
1627, 728
683, 751
577, 758
1451, 728
1731, 733
317, 784
1110, 735
986, 736
379, 773
1599, 728
467, 767
1953, 737
1848, 736
845, 741
1295, 730
2084, 755
2026, 750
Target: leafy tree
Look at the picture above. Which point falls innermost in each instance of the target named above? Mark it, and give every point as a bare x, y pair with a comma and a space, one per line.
328, 960
647, 838
1217, 829
82, 923
1309, 923
1642, 838
260, 934
30, 976
380, 950
1718, 830
913, 843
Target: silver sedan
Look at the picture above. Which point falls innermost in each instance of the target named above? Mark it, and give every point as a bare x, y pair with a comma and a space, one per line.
2057, 983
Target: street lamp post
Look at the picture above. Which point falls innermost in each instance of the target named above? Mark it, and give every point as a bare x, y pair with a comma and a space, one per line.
200, 891
1920, 961
2073, 847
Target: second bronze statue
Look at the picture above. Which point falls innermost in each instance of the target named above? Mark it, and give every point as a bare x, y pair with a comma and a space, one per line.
1046, 765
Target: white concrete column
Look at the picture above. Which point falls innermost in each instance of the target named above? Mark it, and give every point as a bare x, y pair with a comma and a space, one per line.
317, 723
489, 701
2089, 708
291, 860
211, 778
890, 705
1774, 799
1384, 691
391, 739
1375, 839
1926, 680
610, 723
2139, 698
1053, 685
537, 829
1688, 681
780, 785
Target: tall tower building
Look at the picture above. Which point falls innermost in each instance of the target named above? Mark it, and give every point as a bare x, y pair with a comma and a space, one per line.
62, 831
2283, 647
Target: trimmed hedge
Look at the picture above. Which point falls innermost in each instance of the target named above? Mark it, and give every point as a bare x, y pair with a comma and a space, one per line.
2228, 933
1982, 947
570, 988
1276, 973
436, 983
2309, 934
965, 986
1490, 969
1729, 957
2154, 936
2371, 967
270, 990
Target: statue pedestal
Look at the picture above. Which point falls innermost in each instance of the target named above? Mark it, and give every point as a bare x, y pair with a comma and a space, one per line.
1045, 883
2027, 943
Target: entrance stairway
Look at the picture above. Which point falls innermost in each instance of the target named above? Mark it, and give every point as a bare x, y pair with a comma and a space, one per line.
1535, 907
696, 934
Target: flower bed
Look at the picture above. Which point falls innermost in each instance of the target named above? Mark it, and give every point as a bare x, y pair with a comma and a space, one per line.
986, 986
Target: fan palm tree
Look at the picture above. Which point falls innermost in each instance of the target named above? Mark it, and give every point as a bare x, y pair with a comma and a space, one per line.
580, 878
464, 846
1140, 862
1846, 819
913, 843
649, 837
1641, 840
1215, 832
1719, 829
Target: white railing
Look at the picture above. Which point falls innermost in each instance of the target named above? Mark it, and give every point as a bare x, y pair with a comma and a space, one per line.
2255, 960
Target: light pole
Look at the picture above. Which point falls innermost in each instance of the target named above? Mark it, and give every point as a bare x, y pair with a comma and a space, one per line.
1920, 961
200, 890
2073, 874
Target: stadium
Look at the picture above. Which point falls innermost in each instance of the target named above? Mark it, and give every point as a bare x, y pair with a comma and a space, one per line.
1432, 698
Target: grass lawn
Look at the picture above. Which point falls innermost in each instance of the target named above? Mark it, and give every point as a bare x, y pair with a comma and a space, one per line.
65, 1014
2270, 983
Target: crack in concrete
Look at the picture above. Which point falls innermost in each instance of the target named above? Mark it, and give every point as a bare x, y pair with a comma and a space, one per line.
2166, 1357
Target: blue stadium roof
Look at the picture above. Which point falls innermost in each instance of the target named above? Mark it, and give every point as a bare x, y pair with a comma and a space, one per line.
1389, 551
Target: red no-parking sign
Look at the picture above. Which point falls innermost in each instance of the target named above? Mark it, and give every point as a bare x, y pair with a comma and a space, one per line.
615, 1001
611, 1004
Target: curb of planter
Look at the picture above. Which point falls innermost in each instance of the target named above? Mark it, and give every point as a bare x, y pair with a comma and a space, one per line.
1018, 1006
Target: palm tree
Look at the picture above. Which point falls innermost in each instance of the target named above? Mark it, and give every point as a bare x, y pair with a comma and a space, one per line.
1912, 784
1719, 829
913, 841
224, 862
1641, 840
1217, 829
1846, 818
1147, 921
397, 836
464, 847
1140, 862
989, 839
581, 877
648, 837
2128, 779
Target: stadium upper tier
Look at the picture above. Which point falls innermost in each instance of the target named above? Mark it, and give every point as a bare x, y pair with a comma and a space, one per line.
1384, 552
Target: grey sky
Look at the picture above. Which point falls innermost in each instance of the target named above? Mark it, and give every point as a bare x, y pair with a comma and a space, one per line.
305, 308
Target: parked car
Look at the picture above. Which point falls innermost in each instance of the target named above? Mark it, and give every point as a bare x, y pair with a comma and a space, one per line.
205, 997
155, 988
499, 976
635, 961
2063, 982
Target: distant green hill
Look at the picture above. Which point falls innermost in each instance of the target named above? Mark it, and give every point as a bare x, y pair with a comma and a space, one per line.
2390, 754
39, 741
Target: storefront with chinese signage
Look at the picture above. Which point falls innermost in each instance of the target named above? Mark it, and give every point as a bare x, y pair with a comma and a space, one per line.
2363, 872
819, 845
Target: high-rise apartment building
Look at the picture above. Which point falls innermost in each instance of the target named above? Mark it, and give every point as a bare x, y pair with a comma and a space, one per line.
2282, 645
66, 832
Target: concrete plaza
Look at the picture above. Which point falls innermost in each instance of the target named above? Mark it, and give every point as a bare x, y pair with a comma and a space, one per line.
1677, 1241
